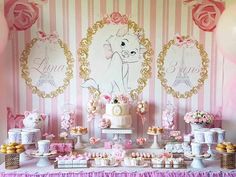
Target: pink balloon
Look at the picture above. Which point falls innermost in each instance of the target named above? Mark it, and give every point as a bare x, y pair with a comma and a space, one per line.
226, 33
3, 32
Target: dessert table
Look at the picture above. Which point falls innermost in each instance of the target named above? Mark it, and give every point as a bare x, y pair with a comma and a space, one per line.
28, 169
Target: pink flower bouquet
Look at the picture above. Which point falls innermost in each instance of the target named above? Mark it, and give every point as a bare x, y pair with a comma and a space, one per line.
176, 136
198, 117
94, 140
141, 141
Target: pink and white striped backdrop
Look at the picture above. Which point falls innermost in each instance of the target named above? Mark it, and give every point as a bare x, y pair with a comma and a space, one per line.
161, 19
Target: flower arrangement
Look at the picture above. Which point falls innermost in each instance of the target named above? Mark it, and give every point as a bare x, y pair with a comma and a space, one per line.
104, 123
175, 136
198, 117
117, 99
48, 136
141, 110
94, 140
141, 141
169, 117
63, 135
116, 18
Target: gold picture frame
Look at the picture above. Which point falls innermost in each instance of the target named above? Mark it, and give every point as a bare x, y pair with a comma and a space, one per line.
161, 74
83, 53
25, 73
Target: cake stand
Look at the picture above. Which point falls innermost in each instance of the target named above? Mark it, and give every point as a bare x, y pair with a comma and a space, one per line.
155, 144
197, 160
117, 132
43, 158
79, 144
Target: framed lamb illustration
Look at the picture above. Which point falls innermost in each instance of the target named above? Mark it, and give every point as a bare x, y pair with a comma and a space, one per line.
47, 65
182, 66
115, 57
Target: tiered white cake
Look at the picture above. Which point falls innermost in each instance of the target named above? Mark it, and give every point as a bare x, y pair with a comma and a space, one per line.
119, 115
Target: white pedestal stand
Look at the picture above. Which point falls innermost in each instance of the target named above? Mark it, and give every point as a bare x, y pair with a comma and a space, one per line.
79, 144
24, 156
198, 160
197, 163
43, 161
210, 151
155, 144
117, 132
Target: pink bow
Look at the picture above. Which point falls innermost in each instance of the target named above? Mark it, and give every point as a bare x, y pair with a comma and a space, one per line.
52, 38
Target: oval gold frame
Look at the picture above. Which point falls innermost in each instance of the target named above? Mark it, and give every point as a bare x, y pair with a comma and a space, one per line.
26, 74
203, 72
84, 63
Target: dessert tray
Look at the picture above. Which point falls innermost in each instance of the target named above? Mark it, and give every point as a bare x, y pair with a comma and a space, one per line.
70, 166
180, 166
198, 160
142, 165
105, 166
35, 153
43, 157
202, 156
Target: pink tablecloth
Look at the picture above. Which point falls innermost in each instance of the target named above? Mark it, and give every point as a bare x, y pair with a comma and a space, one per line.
28, 169
124, 174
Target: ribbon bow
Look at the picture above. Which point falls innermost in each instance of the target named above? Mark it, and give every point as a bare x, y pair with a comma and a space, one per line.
52, 38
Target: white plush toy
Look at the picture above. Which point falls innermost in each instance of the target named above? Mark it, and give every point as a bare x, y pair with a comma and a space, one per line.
33, 120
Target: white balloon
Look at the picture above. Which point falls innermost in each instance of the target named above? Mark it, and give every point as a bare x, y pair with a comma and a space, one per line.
3, 32
226, 33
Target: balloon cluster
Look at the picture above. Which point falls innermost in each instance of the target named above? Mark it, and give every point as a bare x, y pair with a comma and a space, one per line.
225, 33
141, 110
4, 32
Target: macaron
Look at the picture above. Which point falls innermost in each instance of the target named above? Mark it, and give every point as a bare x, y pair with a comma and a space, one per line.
220, 145
11, 151
20, 150
220, 149
3, 150
11, 148
20, 146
